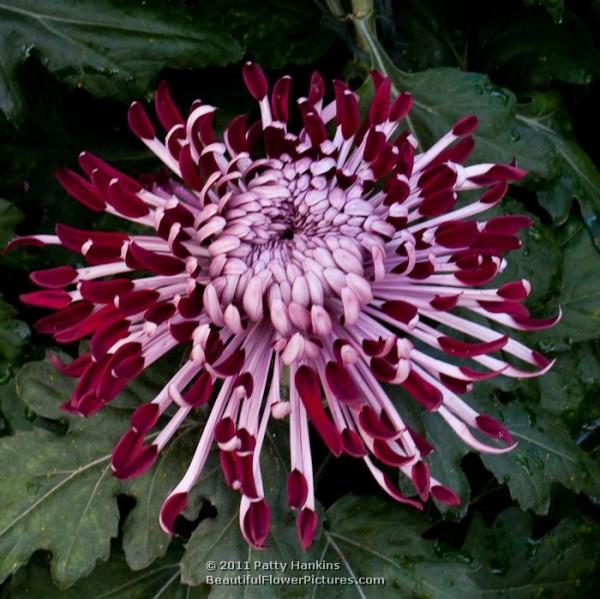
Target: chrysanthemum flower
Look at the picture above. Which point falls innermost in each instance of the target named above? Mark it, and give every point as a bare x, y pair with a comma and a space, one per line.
335, 249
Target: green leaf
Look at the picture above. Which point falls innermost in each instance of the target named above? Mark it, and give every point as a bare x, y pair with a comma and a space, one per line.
545, 455
555, 8
13, 333
10, 217
290, 27
527, 50
58, 491
580, 290
373, 537
112, 50
570, 389
563, 563
14, 411
43, 389
580, 179
58, 494
110, 579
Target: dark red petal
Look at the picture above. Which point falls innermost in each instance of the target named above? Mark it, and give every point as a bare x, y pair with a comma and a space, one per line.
53, 299
90, 163
89, 404
397, 193
492, 428
189, 170
380, 105
342, 385
75, 368
373, 145
536, 324
400, 310
236, 134
245, 380
139, 122
199, 392
495, 194
374, 425
105, 337
353, 444
387, 455
458, 152
421, 479
167, 112
54, 278
315, 128
351, 121
373, 347
425, 393
141, 463
30, 240
500, 172
308, 386
444, 303
81, 189
128, 368
383, 370
280, 99
455, 385
316, 90
64, 318
498, 243
145, 417
457, 234
248, 480
256, 523
478, 276
182, 331
125, 201
507, 225
437, 203
73, 238
401, 106
159, 313
462, 349
127, 447
224, 430
437, 178
133, 302
231, 467
445, 495
297, 489
424, 447
422, 270
306, 526
174, 139
465, 126
255, 80
172, 508
104, 292
233, 364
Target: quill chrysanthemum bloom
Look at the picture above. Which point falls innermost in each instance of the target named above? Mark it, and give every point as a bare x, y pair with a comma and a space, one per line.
335, 249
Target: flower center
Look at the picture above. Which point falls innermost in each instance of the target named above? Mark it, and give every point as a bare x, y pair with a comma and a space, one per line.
296, 244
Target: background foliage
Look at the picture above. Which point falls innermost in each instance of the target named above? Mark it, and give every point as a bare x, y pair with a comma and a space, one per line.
528, 525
